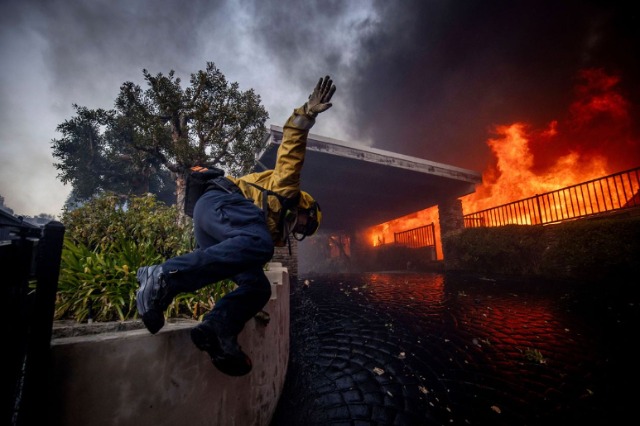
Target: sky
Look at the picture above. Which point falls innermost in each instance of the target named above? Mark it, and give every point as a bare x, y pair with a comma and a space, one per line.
426, 78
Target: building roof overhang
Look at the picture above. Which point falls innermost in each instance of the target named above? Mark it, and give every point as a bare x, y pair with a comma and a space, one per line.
359, 186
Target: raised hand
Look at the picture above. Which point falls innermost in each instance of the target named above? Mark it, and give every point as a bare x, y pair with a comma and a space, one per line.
319, 99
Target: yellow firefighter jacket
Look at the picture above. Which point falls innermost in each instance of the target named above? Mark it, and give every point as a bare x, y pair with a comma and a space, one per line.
284, 179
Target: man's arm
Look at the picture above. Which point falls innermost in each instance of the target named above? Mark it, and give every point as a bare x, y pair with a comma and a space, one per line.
290, 157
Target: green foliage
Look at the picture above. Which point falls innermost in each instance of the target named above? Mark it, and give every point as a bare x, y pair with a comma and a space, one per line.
506, 250
593, 249
101, 283
587, 250
106, 241
154, 136
195, 305
108, 219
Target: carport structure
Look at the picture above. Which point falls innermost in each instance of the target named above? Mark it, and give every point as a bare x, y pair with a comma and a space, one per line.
358, 186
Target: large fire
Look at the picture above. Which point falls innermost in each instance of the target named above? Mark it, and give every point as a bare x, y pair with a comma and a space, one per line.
594, 140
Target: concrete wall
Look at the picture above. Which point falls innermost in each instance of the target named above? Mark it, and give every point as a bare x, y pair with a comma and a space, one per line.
135, 378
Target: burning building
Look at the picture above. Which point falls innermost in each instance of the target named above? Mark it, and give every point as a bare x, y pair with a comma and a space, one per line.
358, 187
535, 96
593, 140
375, 199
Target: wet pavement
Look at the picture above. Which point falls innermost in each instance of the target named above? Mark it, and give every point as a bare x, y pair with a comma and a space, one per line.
443, 349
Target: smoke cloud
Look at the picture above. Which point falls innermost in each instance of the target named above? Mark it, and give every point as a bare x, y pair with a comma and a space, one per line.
435, 77
424, 78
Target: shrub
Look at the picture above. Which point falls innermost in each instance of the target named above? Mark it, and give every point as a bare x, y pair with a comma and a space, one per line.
106, 241
108, 219
587, 250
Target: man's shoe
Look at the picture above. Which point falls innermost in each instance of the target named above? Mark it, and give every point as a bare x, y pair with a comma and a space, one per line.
152, 297
224, 351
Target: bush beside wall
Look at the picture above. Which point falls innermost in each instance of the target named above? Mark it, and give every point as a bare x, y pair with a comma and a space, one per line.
587, 249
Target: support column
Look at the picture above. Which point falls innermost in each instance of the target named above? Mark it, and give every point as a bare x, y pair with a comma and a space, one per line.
289, 261
450, 219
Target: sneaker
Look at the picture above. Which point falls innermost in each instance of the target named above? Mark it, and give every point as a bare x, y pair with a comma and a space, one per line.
224, 351
152, 297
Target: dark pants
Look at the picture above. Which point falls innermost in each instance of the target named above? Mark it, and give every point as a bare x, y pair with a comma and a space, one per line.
233, 243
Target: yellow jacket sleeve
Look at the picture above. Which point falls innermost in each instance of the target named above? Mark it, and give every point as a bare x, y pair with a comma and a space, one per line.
284, 179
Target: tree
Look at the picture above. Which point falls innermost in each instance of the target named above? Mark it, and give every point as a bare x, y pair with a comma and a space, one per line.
150, 140
84, 153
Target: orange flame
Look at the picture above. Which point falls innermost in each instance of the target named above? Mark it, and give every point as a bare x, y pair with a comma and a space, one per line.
514, 177
596, 139
384, 233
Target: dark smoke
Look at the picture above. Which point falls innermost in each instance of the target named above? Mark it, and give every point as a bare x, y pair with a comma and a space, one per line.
429, 78
438, 75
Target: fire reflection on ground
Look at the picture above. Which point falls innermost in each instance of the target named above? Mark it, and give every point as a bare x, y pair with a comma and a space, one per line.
464, 350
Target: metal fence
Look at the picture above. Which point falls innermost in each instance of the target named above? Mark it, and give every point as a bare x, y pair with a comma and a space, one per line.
610, 193
30, 262
423, 236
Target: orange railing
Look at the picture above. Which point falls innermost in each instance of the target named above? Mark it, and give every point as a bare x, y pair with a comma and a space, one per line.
423, 236
610, 193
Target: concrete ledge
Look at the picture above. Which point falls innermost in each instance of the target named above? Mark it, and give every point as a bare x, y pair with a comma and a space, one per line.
135, 378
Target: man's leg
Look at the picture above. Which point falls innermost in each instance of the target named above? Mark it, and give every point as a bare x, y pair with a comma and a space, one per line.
159, 284
234, 237
153, 297
243, 303
218, 333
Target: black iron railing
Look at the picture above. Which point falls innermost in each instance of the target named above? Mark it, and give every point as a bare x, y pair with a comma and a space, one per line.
423, 236
30, 263
614, 192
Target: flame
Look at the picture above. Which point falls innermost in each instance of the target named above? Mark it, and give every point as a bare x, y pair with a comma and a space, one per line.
384, 233
587, 145
594, 139
514, 178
